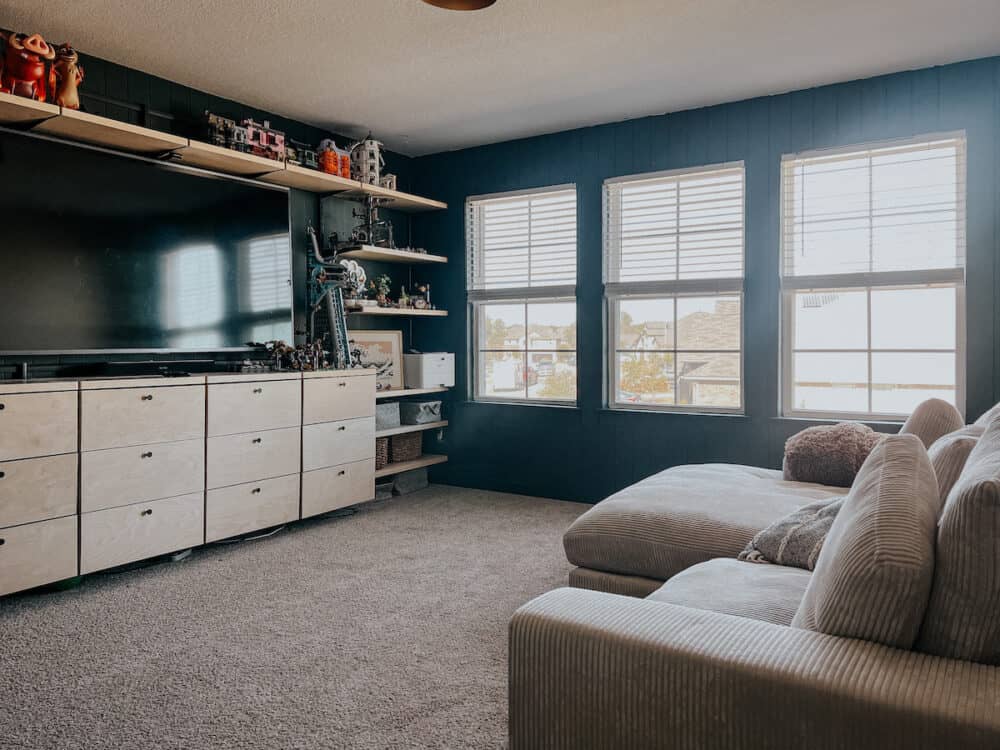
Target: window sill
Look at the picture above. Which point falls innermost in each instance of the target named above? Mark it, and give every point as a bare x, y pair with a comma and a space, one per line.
830, 419
545, 404
676, 412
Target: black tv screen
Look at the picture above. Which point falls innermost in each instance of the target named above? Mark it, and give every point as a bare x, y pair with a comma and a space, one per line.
100, 251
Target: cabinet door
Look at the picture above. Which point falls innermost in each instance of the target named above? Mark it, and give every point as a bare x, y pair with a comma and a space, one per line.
37, 489
37, 424
135, 532
123, 476
37, 553
336, 443
253, 406
123, 417
334, 399
335, 487
235, 459
243, 508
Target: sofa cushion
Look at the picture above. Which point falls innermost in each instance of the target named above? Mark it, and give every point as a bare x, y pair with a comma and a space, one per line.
684, 516
828, 454
771, 593
962, 619
874, 574
796, 539
987, 418
932, 419
949, 454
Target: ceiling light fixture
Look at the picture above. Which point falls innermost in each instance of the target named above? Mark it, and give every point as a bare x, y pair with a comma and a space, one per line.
461, 4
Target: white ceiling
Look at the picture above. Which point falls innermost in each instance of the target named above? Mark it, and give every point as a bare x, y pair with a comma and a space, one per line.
426, 80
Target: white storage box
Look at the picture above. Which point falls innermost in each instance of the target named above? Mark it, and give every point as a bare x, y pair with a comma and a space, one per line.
429, 370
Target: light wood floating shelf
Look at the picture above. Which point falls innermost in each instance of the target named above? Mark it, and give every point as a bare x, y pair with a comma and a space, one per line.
102, 131
314, 181
400, 392
398, 468
403, 429
396, 199
386, 255
408, 312
209, 156
16, 110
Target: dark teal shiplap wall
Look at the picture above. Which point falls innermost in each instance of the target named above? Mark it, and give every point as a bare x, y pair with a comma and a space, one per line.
585, 453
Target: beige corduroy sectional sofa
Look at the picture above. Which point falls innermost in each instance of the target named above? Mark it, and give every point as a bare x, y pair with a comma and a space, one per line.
893, 640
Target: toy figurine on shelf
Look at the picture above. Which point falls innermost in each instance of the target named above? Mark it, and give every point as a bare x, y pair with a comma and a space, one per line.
225, 133
421, 298
301, 358
26, 66
66, 77
334, 160
263, 140
300, 154
367, 160
381, 287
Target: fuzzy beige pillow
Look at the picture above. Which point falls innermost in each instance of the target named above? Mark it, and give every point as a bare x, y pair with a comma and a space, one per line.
829, 454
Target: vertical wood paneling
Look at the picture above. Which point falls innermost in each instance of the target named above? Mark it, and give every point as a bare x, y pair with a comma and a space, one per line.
587, 453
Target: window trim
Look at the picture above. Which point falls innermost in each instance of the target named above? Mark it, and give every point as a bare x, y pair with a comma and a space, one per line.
867, 281
616, 291
477, 298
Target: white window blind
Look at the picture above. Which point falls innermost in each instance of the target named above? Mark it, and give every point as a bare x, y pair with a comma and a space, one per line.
265, 273
887, 208
522, 241
675, 226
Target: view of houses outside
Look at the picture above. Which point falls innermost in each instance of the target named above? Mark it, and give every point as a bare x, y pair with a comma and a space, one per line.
679, 351
528, 350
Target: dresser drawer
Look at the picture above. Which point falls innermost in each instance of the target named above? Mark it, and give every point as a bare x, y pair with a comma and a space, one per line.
37, 424
139, 416
253, 406
247, 507
235, 459
336, 443
37, 489
332, 399
327, 489
37, 553
135, 532
123, 476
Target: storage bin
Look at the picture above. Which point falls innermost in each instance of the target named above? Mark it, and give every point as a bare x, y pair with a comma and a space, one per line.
406, 447
381, 452
420, 412
387, 415
429, 370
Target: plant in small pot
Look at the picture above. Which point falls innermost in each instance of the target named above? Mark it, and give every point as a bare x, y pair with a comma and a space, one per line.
381, 287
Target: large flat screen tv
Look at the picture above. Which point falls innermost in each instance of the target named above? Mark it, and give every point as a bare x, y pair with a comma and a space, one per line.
100, 251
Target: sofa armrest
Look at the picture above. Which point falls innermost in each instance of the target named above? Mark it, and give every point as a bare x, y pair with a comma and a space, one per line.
596, 670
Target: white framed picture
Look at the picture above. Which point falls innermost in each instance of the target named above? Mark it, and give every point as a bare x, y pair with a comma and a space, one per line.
381, 351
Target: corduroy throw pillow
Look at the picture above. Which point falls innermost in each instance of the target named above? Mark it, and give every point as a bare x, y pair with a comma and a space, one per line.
932, 419
949, 454
828, 454
962, 617
874, 573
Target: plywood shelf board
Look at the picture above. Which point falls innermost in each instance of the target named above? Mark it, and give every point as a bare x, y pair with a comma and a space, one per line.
387, 255
406, 428
429, 459
401, 312
209, 156
103, 131
312, 180
16, 110
396, 199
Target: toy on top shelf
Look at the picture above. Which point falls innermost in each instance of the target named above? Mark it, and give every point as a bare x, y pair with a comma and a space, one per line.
66, 77
367, 160
264, 140
26, 66
334, 160
225, 133
301, 154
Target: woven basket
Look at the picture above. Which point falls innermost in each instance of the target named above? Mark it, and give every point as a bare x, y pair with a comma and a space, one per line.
406, 447
381, 452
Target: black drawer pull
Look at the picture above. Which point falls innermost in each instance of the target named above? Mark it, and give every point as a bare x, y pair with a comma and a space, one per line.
341, 384
2, 541
147, 512
147, 397
341, 428
147, 454
2, 407
258, 390
255, 491
3, 474
341, 473
256, 441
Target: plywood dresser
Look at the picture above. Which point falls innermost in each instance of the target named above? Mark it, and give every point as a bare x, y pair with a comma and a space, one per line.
100, 473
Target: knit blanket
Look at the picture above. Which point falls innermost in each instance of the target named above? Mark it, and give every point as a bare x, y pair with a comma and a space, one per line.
796, 539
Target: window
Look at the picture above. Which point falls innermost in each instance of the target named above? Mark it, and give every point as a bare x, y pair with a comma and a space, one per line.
673, 273
522, 291
193, 303
873, 269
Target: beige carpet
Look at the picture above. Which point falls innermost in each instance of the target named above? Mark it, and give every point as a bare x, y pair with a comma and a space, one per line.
386, 629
